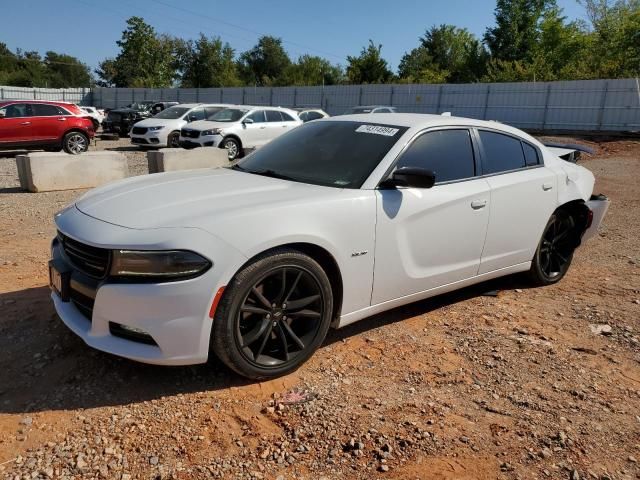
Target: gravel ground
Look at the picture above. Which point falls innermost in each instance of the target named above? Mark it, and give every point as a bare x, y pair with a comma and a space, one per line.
529, 383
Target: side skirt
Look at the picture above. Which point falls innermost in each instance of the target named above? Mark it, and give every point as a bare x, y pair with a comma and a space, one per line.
352, 317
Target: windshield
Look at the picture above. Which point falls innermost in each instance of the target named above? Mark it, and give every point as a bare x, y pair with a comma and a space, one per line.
228, 115
139, 106
354, 110
172, 113
333, 154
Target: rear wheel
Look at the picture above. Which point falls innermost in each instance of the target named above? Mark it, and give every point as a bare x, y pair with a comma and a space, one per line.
233, 148
555, 251
274, 314
75, 143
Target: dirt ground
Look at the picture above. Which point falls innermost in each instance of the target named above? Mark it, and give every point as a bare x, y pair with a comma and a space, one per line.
531, 383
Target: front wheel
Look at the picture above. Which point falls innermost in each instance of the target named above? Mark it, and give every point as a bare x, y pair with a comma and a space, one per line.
173, 140
555, 251
75, 143
233, 148
274, 314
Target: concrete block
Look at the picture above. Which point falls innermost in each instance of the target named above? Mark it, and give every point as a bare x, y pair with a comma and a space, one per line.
170, 159
46, 172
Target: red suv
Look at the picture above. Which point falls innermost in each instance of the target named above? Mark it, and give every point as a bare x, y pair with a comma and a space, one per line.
51, 126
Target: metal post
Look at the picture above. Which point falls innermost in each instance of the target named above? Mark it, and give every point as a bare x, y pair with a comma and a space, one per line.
322, 99
221, 95
439, 99
486, 102
116, 98
243, 95
178, 95
603, 105
391, 97
360, 96
197, 94
295, 97
35, 97
1, 93
64, 98
271, 96
546, 107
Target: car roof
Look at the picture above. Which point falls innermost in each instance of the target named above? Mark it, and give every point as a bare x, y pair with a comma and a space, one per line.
27, 100
373, 106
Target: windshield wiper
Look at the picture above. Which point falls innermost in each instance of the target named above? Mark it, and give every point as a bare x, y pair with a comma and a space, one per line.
271, 173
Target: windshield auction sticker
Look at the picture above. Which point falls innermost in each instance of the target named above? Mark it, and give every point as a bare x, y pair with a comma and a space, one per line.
377, 130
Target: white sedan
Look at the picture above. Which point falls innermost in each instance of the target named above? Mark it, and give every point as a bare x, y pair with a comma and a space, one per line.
337, 220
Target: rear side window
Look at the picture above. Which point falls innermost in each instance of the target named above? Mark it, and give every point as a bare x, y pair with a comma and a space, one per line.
46, 110
314, 116
286, 117
447, 153
501, 153
530, 155
257, 116
273, 116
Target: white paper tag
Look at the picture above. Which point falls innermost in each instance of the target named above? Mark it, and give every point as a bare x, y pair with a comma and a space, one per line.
377, 130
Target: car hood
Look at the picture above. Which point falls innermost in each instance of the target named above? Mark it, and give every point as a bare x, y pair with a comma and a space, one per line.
207, 125
192, 198
160, 122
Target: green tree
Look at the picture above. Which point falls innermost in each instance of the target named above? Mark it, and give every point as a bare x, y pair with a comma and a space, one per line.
145, 59
515, 34
313, 70
265, 64
418, 66
209, 63
369, 66
66, 71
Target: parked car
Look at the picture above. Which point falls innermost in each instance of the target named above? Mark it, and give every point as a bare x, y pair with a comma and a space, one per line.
163, 129
95, 115
239, 127
120, 120
337, 220
371, 109
160, 106
308, 114
51, 126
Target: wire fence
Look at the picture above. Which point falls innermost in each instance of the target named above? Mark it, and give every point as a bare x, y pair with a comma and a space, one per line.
584, 105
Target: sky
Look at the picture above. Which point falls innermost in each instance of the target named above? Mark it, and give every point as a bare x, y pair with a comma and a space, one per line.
88, 29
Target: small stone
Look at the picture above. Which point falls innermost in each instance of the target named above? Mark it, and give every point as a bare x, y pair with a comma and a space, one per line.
632, 459
125, 476
154, 460
26, 421
546, 453
600, 329
574, 475
383, 468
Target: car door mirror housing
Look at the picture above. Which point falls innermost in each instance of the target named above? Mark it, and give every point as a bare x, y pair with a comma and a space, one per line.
2, 114
247, 121
413, 177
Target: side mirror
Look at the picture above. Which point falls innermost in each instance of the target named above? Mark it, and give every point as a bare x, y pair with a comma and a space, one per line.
2, 113
248, 121
414, 177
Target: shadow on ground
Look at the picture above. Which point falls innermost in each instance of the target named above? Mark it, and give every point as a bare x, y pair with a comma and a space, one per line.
43, 366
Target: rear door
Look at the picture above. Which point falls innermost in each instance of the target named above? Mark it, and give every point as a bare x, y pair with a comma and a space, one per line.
275, 124
523, 197
426, 238
49, 121
16, 125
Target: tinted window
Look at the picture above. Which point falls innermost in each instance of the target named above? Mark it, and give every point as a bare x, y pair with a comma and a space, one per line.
197, 114
211, 111
314, 116
44, 110
448, 153
273, 116
303, 116
257, 116
530, 155
172, 113
17, 110
334, 154
501, 153
286, 117
228, 115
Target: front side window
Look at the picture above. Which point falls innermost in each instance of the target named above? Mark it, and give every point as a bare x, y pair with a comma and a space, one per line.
332, 154
17, 110
46, 110
501, 153
447, 153
228, 115
197, 114
274, 116
257, 116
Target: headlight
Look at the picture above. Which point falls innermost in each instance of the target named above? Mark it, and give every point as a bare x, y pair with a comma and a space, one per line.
213, 131
155, 129
168, 264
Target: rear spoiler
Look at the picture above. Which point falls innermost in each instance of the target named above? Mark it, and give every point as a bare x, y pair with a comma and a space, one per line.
570, 152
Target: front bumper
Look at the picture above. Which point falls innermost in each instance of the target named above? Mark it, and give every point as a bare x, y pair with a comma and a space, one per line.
174, 315
202, 141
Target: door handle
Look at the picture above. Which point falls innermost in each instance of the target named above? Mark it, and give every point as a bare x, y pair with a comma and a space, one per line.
547, 186
62, 119
25, 123
285, 126
262, 128
478, 204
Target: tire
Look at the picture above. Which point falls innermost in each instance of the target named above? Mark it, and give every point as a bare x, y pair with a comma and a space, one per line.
173, 140
96, 124
233, 148
258, 340
75, 143
555, 250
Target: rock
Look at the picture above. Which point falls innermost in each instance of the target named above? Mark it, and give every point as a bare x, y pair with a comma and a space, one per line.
632, 459
154, 460
26, 421
80, 462
125, 476
600, 329
545, 453
574, 475
383, 468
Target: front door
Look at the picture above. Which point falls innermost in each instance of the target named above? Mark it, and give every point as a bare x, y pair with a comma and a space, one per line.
49, 121
16, 124
426, 238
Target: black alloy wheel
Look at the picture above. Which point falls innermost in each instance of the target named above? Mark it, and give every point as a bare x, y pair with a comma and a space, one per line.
273, 316
555, 251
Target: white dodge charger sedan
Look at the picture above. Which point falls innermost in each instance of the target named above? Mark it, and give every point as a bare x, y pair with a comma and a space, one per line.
339, 219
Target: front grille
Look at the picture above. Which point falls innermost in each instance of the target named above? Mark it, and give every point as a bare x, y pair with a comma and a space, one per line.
93, 261
139, 130
139, 140
190, 133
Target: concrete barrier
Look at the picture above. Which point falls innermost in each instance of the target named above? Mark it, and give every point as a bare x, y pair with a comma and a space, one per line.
170, 159
46, 172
